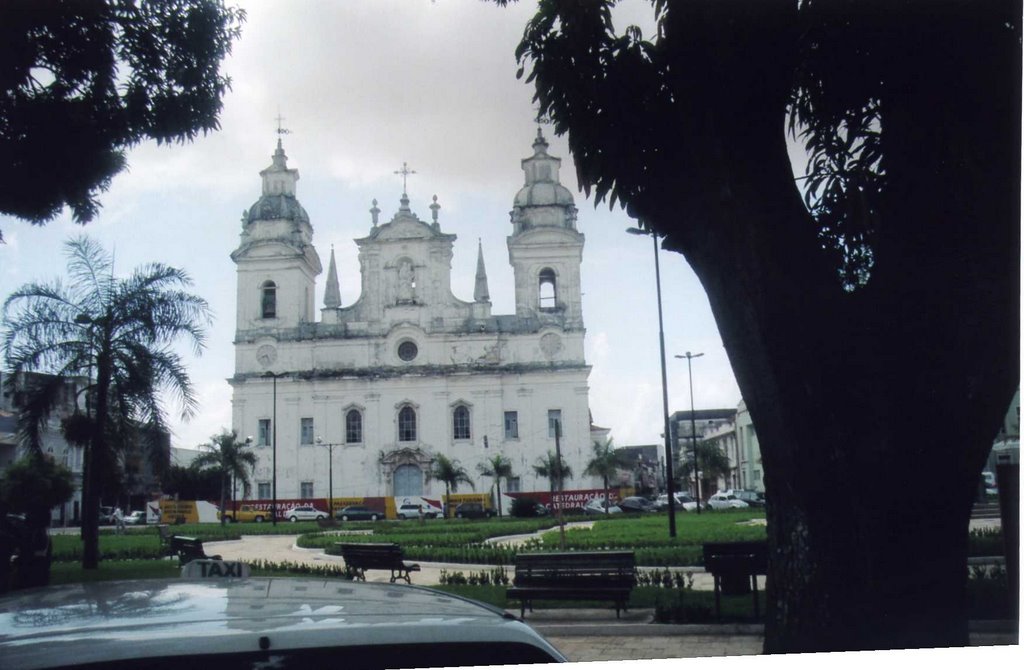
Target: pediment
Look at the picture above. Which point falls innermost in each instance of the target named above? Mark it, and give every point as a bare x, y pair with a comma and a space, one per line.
405, 229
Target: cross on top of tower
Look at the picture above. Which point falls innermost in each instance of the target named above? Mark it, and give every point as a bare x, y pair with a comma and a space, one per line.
405, 172
281, 130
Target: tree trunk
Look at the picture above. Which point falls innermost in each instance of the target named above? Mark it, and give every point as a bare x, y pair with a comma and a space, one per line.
223, 495
874, 408
90, 474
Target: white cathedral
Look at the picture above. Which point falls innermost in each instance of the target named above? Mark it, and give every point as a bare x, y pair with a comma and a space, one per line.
409, 371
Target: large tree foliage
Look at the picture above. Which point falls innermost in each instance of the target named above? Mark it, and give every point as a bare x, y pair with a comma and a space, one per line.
118, 334
869, 304
35, 483
229, 457
81, 81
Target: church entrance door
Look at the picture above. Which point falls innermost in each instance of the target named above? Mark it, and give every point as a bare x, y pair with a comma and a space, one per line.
408, 481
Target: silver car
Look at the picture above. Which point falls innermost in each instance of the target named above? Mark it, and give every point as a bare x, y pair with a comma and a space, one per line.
304, 513
232, 623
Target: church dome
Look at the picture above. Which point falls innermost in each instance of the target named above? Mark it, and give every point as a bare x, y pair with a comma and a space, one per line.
279, 206
543, 193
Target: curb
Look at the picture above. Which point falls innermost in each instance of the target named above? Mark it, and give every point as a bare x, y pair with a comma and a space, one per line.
645, 629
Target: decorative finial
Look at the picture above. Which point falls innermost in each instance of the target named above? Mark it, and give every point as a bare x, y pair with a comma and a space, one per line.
374, 212
280, 129
405, 172
433, 209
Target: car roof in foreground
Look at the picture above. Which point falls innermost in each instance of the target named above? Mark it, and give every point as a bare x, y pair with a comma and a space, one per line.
103, 622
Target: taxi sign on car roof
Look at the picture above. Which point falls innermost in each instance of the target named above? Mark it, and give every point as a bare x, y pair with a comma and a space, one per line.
206, 568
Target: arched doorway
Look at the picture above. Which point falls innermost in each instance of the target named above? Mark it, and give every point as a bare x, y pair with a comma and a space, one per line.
408, 480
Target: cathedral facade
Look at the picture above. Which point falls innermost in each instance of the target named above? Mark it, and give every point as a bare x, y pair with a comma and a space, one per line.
408, 371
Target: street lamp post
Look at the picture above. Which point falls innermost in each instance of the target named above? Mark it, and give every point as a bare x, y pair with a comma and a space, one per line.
669, 486
693, 423
330, 473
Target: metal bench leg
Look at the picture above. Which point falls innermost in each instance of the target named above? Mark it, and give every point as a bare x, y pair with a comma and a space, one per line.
718, 597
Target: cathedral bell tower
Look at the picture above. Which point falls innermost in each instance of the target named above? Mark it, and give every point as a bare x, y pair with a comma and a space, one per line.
276, 262
545, 249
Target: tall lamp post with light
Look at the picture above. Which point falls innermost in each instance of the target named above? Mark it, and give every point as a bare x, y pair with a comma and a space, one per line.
273, 451
330, 473
693, 424
669, 485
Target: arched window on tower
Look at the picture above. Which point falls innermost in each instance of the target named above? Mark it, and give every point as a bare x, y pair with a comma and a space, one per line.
407, 424
547, 290
268, 300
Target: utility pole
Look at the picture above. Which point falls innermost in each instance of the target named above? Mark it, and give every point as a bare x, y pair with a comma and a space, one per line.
559, 485
693, 425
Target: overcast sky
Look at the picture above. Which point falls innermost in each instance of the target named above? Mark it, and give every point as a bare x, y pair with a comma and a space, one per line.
363, 86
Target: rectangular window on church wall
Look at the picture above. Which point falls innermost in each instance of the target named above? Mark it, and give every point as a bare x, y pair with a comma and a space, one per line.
512, 485
306, 430
263, 433
263, 490
306, 490
511, 425
554, 421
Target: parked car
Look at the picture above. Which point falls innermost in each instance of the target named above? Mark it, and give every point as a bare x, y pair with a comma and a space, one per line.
280, 622
636, 505
409, 511
684, 501
304, 513
106, 516
726, 500
473, 510
136, 518
246, 513
599, 506
358, 513
752, 498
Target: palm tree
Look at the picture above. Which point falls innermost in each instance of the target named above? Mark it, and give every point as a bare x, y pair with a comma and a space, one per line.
231, 458
714, 464
555, 469
604, 464
497, 467
115, 332
447, 470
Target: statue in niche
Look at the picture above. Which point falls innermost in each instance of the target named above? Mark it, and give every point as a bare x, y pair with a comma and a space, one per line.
406, 282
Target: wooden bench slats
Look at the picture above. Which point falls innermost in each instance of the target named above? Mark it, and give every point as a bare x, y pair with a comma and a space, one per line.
363, 556
605, 575
189, 549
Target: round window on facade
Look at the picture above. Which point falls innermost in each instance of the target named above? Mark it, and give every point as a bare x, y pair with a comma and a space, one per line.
407, 350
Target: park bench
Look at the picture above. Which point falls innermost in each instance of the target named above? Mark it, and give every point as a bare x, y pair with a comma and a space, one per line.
577, 575
189, 549
363, 556
735, 567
